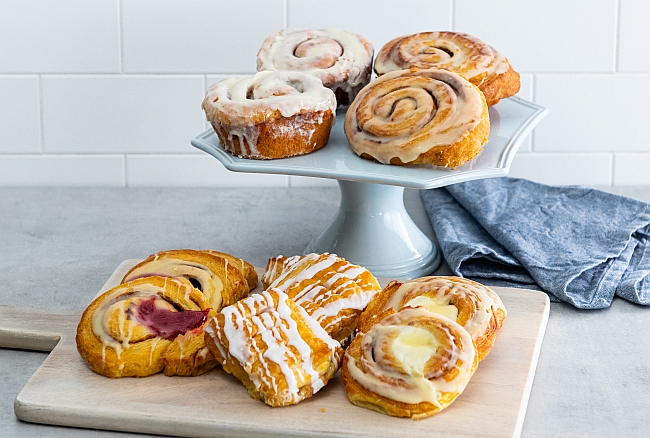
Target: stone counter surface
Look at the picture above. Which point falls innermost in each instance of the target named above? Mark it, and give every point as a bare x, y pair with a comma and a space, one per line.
59, 245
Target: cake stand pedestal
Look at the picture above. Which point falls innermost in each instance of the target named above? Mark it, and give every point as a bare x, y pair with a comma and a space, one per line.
372, 227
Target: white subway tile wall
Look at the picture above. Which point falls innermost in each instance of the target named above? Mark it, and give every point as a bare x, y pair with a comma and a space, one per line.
108, 92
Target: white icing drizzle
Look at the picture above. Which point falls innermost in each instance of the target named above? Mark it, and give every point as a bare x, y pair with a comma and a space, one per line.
381, 371
242, 99
442, 290
211, 284
404, 114
324, 284
277, 337
334, 56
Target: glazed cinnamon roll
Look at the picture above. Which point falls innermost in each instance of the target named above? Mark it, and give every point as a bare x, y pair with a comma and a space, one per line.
464, 54
412, 363
418, 116
278, 352
342, 60
144, 326
475, 307
271, 114
219, 277
331, 289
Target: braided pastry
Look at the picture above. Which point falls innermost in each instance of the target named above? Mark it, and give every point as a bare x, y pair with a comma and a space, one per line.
144, 326
331, 289
279, 353
219, 276
271, 114
418, 116
461, 53
475, 307
340, 59
412, 363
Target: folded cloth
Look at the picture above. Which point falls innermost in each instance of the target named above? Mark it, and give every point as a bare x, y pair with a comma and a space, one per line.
578, 244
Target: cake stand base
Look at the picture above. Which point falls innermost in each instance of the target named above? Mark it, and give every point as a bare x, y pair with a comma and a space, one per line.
373, 229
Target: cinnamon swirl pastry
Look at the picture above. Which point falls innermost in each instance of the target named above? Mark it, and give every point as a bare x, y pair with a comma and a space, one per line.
418, 116
271, 114
331, 289
342, 60
475, 307
141, 327
219, 277
464, 54
412, 363
273, 347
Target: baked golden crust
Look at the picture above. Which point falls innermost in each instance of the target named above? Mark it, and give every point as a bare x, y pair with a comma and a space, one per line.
278, 352
272, 114
244, 267
464, 54
412, 363
219, 278
128, 330
310, 132
418, 117
331, 289
472, 305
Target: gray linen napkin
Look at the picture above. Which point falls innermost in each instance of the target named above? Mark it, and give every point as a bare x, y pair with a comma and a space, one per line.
579, 244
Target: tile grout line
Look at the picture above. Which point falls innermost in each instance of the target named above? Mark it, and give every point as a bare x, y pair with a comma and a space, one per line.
41, 126
452, 14
617, 36
285, 6
533, 135
120, 39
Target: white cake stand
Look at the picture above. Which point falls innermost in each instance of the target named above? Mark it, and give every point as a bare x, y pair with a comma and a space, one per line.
372, 227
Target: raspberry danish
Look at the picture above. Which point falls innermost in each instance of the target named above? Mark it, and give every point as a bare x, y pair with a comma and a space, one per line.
418, 116
144, 326
342, 60
271, 114
464, 54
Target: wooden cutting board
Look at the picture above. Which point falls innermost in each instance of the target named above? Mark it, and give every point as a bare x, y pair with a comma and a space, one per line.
64, 391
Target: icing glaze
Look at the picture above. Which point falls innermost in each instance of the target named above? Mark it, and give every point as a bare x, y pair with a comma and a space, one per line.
414, 356
404, 114
333, 55
458, 52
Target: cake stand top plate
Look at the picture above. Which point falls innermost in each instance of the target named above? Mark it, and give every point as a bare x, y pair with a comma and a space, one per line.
511, 120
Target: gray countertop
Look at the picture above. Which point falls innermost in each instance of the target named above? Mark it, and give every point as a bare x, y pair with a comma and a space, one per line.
58, 246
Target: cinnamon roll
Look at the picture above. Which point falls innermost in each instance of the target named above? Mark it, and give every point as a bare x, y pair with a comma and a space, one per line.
331, 289
475, 307
271, 114
141, 327
219, 277
342, 60
418, 116
412, 363
464, 54
269, 343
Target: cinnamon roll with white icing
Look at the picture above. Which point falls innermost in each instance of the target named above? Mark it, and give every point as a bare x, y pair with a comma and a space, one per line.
418, 117
271, 114
412, 363
472, 305
461, 53
342, 60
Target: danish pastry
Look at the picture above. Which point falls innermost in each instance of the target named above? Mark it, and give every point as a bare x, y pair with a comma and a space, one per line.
412, 363
464, 54
271, 114
141, 327
331, 289
342, 60
475, 307
418, 116
219, 277
273, 347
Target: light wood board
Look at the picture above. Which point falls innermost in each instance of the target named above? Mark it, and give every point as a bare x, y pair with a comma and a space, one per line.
64, 391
